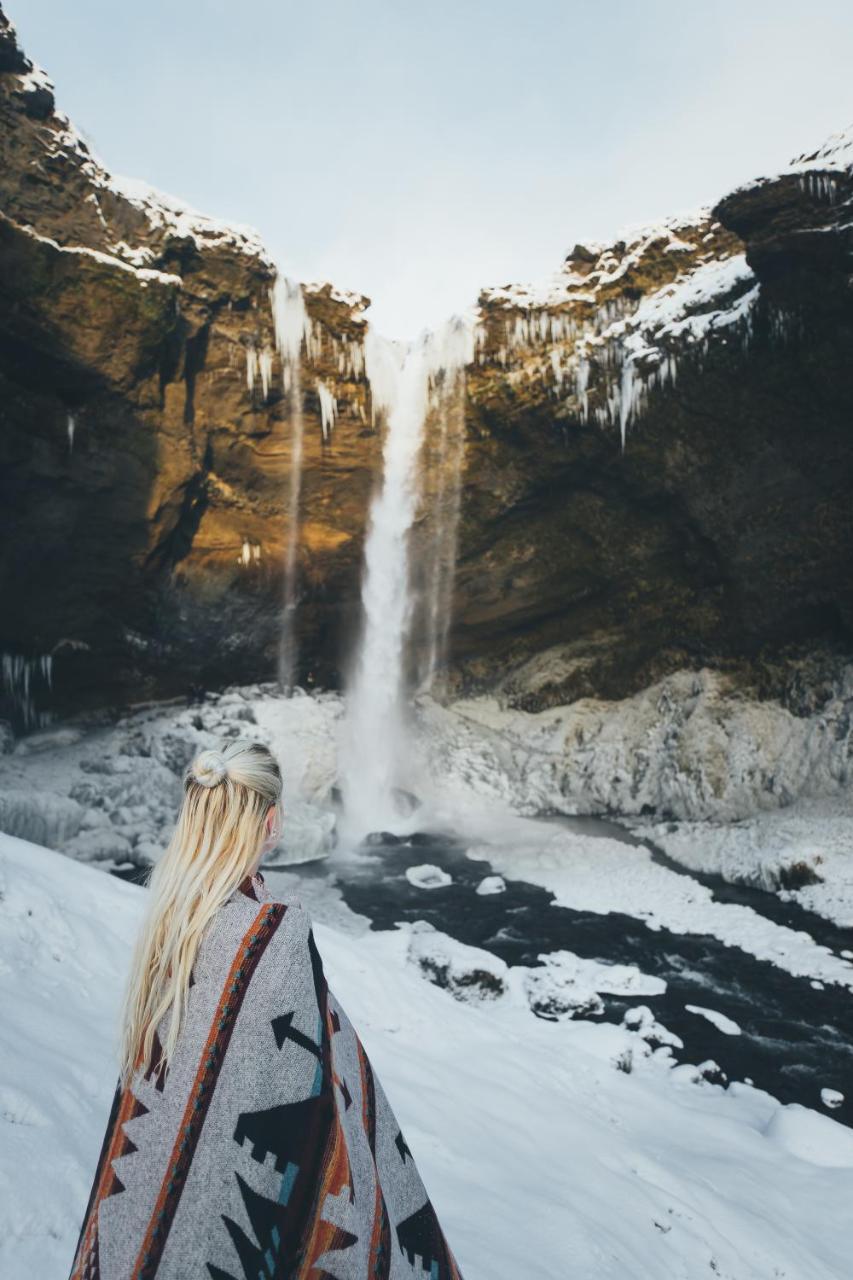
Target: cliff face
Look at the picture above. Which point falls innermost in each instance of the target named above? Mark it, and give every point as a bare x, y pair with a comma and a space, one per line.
657, 462
143, 509
661, 447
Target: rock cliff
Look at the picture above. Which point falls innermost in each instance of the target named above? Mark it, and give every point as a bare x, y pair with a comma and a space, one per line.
143, 478
658, 446
661, 446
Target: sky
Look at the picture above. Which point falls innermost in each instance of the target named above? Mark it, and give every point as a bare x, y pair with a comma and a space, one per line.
418, 151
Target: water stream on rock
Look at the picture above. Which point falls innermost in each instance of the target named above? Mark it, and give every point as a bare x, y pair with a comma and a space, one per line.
445, 467
290, 321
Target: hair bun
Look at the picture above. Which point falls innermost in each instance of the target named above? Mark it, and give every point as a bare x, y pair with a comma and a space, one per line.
209, 768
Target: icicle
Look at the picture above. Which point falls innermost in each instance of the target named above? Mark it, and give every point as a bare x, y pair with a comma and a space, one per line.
556, 366
328, 408
581, 385
251, 367
19, 675
265, 371
71, 423
630, 390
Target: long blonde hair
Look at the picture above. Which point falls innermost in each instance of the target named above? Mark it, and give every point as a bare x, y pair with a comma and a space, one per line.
215, 844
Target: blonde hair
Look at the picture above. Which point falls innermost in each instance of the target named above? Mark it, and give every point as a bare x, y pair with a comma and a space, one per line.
215, 844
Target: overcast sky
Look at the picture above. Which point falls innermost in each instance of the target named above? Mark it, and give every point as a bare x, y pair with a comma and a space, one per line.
418, 150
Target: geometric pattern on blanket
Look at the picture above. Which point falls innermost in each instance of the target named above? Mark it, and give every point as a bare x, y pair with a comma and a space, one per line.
269, 1149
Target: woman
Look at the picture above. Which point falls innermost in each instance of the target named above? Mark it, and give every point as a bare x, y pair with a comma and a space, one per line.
249, 1135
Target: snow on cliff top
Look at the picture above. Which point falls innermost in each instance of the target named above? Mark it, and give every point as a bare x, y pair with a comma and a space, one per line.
168, 212
835, 153
834, 156
164, 212
683, 233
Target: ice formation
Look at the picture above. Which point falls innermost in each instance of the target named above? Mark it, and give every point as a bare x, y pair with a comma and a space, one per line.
607, 355
265, 370
250, 553
328, 408
20, 677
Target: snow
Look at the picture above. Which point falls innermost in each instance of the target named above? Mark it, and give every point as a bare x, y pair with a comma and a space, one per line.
813, 832
36, 78
634, 347
353, 300
818, 170
811, 1136
491, 884
170, 213
145, 275
566, 984
719, 1020
640, 344
427, 876
836, 152
569, 1142
568, 285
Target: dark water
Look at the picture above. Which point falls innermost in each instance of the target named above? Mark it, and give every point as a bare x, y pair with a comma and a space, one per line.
795, 1039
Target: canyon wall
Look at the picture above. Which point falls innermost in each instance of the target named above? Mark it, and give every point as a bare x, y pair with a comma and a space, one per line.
657, 465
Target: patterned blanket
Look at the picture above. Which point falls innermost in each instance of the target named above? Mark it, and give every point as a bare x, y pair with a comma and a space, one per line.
269, 1149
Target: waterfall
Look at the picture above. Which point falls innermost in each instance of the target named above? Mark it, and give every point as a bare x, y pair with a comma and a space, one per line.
406, 382
291, 327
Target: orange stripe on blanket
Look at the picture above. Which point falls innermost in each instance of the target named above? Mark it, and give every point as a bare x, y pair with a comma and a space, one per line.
125, 1112
245, 962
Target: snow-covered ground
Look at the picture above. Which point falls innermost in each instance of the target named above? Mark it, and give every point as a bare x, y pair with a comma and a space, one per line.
815, 834
550, 1148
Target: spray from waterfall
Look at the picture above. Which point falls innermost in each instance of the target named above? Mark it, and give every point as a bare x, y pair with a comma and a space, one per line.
406, 383
290, 321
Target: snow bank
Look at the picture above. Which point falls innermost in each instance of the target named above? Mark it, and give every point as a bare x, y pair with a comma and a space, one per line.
803, 852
